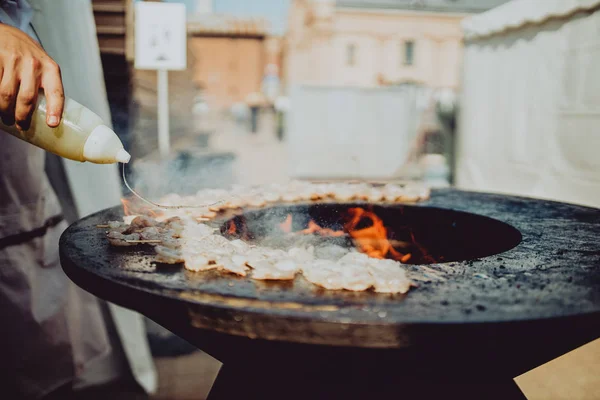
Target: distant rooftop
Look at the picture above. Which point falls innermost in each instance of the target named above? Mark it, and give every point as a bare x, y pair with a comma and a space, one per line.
219, 24
450, 6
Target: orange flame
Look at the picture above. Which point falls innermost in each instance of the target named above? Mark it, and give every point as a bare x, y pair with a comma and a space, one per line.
286, 226
131, 207
232, 229
126, 207
373, 239
313, 227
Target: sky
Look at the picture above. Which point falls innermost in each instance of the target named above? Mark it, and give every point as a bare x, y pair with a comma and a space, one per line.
275, 11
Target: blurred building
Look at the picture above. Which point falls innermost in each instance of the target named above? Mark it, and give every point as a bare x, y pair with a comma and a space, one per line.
229, 59
114, 27
112, 20
230, 56
367, 43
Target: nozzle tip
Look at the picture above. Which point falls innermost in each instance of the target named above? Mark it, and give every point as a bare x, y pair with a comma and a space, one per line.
123, 156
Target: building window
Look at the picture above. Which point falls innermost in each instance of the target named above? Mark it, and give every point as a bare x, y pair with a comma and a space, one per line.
351, 54
408, 52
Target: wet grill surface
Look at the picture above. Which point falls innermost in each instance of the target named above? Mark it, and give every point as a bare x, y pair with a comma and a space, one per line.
553, 272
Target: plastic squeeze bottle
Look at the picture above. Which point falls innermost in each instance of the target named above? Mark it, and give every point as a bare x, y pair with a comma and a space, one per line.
81, 135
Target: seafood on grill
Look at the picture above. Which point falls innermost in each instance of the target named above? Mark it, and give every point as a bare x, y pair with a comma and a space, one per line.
178, 234
141, 229
334, 275
196, 245
220, 200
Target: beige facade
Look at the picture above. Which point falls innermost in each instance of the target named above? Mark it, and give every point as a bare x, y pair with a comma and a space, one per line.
332, 45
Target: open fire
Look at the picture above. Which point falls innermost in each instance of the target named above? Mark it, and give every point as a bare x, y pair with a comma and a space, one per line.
382, 230
360, 227
365, 228
331, 266
132, 207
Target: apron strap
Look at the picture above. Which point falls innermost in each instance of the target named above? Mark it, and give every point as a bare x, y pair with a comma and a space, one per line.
24, 237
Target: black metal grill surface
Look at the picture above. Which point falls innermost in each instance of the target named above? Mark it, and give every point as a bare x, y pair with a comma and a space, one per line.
552, 274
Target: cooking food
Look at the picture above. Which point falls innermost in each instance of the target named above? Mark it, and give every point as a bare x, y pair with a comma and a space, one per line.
217, 200
180, 236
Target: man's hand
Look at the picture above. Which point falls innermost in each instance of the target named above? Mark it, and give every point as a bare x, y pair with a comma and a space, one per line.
24, 69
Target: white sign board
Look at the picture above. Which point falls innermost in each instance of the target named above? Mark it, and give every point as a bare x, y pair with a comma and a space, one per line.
160, 36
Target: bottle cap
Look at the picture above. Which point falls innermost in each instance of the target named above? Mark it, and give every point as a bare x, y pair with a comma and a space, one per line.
123, 156
104, 147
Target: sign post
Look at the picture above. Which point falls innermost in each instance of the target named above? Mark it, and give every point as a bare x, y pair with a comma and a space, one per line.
163, 112
160, 44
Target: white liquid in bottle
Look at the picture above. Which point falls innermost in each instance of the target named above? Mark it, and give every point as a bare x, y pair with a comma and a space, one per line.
81, 135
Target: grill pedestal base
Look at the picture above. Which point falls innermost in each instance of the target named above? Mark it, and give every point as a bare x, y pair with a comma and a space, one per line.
258, 383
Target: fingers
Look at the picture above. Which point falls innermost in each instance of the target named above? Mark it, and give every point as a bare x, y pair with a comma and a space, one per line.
28, 93
55, 96
8, 93
24, 68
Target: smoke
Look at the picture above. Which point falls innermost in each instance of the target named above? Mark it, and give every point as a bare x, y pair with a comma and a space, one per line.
184, 174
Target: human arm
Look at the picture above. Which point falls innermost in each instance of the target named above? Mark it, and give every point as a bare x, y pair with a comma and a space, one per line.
25, 68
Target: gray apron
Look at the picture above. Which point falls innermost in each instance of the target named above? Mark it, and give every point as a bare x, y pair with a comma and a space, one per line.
51, 330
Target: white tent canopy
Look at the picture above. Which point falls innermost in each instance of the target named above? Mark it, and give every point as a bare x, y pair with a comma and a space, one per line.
530, 113
530, 125
517, 14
